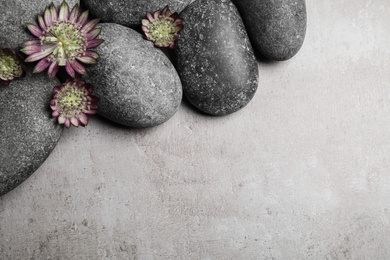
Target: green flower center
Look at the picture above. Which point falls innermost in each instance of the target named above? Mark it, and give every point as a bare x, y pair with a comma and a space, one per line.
68, 40
10, 65
163, 29
73, 100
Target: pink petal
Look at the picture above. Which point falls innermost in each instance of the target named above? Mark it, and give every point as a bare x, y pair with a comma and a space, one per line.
53, 69
92, 54
86, 60
74, 121
83, 18
61, 119
67, 122
34, 30
150, 17
41, 65
38, 56
84, 119
31, 49
74, 14
78, 67
53, 11
90, 25
94, 43
64, 12
31, 42
41, 22
93, 34
47, 17
156, 14
55, 113
70, 70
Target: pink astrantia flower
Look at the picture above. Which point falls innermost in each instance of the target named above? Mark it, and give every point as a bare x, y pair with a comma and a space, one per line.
162, 27
11, 65
64, 40
72, 102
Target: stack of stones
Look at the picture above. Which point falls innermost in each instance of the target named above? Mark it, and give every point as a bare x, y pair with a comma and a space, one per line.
138, 86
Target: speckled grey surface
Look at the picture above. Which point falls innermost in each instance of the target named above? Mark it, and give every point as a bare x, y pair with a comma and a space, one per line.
15, 15
215, 59
130, 12
276, 28
28, 134
136, 83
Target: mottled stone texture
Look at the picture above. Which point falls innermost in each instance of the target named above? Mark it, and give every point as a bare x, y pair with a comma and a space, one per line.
276, 28
216, 62
130, 12
136, 83
15, 15
28, 134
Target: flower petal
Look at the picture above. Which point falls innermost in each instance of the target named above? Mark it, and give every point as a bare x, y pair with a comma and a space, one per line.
35, 30
83, 18
86, 60
93, 34
53, 69
47, 17
150, 17
78, 67
70, 70
67, 122
92, 54
31, 49
61, 119
94, 43
39, 55
55, 113
41, 22
30, 42
74, 121
84, 119
90, 25
53, 11
41, 66
64, 11
74, 14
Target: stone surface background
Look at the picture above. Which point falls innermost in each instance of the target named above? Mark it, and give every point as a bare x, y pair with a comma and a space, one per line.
302, 172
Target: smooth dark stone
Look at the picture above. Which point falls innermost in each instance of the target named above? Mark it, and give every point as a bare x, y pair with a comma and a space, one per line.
276, 28
130, 12
215, 59
14, 16
136, 83
28, 134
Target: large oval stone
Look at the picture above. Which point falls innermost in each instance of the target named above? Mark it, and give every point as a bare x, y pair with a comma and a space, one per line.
28, 134
215, 59
14, 16
136, 83
130, 12
276, 28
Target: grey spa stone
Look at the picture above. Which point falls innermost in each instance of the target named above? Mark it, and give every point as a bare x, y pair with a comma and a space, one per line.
28, 134
130, 12
215, 59
276, 28
15, 15
136, 83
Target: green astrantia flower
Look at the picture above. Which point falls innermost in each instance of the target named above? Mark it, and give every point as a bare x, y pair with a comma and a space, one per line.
72, 102
162, 27
64, 38
11, 65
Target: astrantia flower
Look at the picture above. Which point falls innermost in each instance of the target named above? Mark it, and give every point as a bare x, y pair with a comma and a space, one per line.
64, 38
72, 102
162, 27
11, 65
